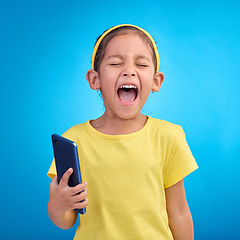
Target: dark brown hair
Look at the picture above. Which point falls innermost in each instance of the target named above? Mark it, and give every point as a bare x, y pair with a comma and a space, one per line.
118, 32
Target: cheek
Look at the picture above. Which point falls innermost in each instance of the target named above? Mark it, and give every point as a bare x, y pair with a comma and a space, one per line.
147, 87
148, 81
108, 79
107, 86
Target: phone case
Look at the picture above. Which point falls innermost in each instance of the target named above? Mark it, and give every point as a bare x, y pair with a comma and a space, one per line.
66, 156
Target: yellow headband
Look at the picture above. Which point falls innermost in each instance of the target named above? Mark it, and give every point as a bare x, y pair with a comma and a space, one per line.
123, 25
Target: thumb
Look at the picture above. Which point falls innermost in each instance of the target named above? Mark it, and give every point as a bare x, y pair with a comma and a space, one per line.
65, 177
54, 182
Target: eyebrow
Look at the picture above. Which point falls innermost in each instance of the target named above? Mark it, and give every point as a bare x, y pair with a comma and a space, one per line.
137, 58
143, 57
115, 56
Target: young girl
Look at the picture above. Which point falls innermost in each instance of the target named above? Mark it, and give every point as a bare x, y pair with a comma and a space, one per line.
132, 164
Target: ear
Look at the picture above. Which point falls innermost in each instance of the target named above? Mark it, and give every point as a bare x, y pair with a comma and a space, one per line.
93, 79
157, 81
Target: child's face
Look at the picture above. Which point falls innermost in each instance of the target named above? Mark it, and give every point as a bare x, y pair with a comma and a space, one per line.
126, 76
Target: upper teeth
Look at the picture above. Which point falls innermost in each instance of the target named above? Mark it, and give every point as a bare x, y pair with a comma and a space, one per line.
128, 86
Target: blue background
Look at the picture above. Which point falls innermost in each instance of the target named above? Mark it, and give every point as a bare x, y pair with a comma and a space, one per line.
45, 52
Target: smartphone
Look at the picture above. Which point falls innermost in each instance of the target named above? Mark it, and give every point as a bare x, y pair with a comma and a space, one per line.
66, 156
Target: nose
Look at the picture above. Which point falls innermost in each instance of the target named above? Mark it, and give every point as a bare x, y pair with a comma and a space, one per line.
129, 72
125, 74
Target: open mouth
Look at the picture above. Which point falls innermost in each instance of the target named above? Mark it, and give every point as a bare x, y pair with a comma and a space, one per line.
127, 93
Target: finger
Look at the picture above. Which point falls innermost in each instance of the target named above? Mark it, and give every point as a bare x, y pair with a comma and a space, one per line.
80, 205
79, 188
54, 182
65, 177
79, 197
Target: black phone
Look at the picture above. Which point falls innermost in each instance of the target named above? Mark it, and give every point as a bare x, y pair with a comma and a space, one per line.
66, 156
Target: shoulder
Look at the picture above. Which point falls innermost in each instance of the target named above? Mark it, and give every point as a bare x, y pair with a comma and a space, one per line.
75, 131
164, 127
165, 132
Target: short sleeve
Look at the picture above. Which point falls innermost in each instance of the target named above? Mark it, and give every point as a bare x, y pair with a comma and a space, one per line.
52, 170
180, 161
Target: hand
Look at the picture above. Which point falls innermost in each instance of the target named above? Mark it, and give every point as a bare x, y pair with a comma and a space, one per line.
64, 198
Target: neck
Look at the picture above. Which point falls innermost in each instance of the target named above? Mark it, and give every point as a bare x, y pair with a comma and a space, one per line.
118, 126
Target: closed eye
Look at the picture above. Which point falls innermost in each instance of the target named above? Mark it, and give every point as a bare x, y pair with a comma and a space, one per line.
115, 64
142, 65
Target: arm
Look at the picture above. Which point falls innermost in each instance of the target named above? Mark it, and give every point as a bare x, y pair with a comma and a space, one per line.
63, 199
180, 219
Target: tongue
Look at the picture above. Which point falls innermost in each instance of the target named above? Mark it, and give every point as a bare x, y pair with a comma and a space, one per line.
127, 96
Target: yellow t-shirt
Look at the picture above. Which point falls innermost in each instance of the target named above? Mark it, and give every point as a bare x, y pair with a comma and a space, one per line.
126, 176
